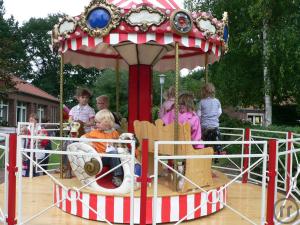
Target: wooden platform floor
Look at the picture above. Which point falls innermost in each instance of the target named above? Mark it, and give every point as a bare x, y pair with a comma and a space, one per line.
38, 195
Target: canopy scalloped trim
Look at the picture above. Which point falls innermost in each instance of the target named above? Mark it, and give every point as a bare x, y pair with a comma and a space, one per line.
162, 39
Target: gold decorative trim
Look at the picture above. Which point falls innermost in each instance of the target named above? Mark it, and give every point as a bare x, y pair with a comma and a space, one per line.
113, 23
173, 25
144, 25
67, 20
54, 38
224, 24
206, 32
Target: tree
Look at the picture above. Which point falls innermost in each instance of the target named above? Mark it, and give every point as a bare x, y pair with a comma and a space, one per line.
262, 66
45, 64
12, 53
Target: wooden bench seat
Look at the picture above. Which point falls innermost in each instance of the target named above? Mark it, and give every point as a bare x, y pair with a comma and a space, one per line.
198, 170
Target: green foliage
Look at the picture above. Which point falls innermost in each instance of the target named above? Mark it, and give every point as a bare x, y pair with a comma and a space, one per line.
227, 121
238, 76
12, 53
45, 64
106, 84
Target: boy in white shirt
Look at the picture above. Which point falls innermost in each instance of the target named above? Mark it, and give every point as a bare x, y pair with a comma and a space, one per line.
83, 111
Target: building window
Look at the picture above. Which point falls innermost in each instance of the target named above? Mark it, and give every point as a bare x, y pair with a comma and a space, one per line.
255, 118
53, 114
41, 113
21, 112
3, 112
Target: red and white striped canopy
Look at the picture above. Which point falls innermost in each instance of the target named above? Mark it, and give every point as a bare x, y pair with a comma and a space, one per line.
158, 51
131, 45
163, 4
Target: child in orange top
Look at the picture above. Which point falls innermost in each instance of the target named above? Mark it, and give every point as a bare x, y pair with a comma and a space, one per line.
104, 130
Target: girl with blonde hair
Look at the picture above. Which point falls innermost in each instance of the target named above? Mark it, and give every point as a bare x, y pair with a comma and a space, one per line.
186, 114
104, 129
169, 102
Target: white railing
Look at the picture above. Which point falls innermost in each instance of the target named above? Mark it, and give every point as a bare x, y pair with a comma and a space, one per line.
260, 158
55, 145
235, 134
257, 150
256, 134
22, 152
289, 198
4, 150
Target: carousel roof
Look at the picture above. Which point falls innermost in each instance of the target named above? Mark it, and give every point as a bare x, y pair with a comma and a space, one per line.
128, 4
139, 32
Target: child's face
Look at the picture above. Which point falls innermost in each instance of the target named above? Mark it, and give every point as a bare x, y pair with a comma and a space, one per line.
102, 125
32, 120
182, 109
83, 100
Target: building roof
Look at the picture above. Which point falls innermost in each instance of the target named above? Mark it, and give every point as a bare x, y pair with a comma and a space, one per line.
25, 87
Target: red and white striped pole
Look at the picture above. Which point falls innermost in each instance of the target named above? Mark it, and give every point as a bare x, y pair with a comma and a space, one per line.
246, 159
289, 162
272, 181
12, 169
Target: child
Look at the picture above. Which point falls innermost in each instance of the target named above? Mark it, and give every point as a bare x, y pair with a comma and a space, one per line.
169, 102
83, 111
187, 114
40, 144
209, 111
104, 130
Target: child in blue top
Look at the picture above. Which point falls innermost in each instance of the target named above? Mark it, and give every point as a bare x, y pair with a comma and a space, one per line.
209, 112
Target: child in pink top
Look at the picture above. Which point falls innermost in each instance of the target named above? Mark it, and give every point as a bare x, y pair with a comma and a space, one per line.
186, 114
169, 102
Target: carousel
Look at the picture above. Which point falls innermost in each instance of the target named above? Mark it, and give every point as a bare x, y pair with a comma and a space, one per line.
141, 37
165, 180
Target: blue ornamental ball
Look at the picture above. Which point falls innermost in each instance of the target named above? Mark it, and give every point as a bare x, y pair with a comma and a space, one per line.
98, 18
226, 34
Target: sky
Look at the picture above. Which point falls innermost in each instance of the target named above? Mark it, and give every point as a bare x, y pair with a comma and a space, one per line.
23, 10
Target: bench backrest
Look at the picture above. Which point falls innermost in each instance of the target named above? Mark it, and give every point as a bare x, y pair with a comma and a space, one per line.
198, 170
157, 131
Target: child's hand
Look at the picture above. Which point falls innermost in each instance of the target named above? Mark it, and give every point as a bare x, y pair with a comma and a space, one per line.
110, 148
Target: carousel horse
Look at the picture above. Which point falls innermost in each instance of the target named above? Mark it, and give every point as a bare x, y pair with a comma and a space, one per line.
88, 168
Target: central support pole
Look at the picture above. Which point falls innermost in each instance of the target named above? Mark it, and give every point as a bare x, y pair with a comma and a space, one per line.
139, 94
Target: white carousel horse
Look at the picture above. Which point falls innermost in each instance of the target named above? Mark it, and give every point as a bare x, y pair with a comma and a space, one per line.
86, 167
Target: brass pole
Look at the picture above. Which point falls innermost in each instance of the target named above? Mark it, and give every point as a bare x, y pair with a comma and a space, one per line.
176, 135
61, 92
206, 68
117, 85
176, 94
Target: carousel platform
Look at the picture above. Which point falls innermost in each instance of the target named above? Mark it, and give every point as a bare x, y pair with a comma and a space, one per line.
171, 205
38, 195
